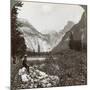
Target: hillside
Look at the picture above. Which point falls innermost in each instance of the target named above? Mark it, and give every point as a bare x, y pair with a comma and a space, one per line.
34, 38
76, 38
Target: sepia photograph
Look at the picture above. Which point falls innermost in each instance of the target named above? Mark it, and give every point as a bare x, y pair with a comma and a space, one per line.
48, 44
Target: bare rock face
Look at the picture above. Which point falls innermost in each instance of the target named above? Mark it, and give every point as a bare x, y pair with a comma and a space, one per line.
76, 38
47, 42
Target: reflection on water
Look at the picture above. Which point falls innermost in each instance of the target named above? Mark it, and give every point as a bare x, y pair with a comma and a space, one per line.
37, 58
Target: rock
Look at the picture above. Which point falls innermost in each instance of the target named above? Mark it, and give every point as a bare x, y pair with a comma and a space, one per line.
25, 78
49, 85
37, 78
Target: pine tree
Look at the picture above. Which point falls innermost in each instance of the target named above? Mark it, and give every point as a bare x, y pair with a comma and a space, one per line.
18, 47
71, 41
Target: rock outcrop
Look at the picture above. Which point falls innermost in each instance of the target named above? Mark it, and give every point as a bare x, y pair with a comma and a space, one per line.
36, 79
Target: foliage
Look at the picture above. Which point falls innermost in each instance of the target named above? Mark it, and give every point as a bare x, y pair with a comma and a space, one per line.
18, 46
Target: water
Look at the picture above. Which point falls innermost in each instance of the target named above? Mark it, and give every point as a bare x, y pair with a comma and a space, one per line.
36, 58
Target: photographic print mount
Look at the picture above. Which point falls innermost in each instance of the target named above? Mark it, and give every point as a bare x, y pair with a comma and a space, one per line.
48, 45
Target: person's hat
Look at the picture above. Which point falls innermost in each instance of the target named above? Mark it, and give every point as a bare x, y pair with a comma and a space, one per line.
25, 55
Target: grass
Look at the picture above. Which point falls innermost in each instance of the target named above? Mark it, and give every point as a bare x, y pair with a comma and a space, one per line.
70, 67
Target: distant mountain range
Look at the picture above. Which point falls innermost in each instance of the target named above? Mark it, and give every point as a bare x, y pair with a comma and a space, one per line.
76, 37
46, 42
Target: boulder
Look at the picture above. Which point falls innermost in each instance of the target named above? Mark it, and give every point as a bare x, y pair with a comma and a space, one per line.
37, 78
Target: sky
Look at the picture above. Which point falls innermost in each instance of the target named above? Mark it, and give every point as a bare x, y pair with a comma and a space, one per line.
48, 17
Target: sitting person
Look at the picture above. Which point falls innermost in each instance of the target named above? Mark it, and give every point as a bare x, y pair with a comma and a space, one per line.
25, 63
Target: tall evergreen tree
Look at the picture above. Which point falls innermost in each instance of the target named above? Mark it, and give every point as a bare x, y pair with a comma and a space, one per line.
18, 46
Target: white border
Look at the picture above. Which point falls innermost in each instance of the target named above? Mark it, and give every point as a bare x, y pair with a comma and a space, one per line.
62, 1
5, 44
